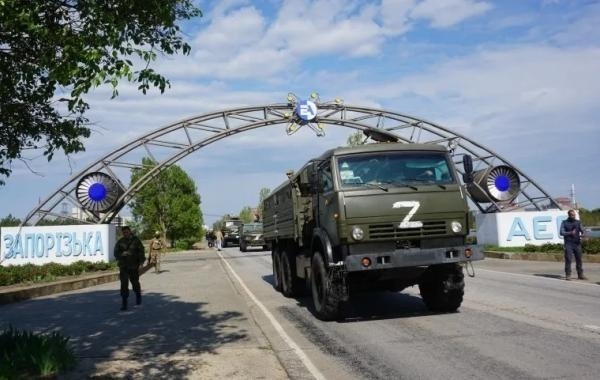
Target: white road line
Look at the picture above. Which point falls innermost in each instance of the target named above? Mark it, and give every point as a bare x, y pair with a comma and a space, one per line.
537, 277
592, 327
286, 338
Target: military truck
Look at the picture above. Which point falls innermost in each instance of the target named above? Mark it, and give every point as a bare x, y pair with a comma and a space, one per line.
372, 217
231, 233
251, 235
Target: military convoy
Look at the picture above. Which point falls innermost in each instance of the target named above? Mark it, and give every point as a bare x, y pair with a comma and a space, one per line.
372, 217
251, 235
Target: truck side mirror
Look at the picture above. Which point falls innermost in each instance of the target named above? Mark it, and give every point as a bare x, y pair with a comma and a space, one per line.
468, 168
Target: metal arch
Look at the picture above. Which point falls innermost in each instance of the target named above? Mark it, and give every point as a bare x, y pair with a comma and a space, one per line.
189, 135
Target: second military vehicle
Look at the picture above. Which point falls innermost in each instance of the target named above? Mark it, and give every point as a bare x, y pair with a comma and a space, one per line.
231, 233
371, 217
251, 235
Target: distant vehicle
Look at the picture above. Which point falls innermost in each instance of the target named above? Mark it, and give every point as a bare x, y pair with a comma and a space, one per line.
593, 232
372, 217
251, 235
231, 234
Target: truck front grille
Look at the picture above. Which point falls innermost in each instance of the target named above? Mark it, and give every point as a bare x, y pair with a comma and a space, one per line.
393, 232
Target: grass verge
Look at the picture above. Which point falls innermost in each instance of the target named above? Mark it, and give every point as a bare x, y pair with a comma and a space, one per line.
26, 355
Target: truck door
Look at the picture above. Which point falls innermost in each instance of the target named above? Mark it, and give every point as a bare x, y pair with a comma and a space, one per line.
327, 201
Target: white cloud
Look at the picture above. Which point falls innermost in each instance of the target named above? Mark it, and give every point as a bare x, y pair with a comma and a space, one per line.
445, 13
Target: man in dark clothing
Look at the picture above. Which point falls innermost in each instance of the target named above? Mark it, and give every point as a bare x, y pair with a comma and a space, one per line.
129, 252
572, 232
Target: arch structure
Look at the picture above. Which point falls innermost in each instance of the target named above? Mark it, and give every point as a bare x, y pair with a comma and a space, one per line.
170, 143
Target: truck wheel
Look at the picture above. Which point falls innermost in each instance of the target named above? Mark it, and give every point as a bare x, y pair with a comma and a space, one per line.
275, 258
443, 287
325, 299
224, 243
243, 247
291, 285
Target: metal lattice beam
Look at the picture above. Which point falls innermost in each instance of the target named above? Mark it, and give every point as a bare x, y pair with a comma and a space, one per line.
171, 143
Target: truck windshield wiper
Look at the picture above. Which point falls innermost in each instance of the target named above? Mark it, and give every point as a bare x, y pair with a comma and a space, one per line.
372, 184
404, 184
428, 181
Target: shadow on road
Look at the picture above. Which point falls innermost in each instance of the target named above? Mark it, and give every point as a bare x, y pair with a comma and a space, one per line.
371, 306
556, 276
98, 331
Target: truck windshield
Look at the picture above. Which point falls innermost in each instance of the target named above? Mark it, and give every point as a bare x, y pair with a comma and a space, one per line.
394, 168
253, 228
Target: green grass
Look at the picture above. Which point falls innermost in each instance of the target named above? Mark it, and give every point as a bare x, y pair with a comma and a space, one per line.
590, 247
26, 355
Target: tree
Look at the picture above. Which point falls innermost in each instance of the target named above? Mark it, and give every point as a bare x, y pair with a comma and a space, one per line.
10, 221
169, 204
356, 138
52, 52
246, 215
262, 195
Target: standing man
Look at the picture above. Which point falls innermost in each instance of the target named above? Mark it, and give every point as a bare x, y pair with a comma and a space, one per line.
157, 248
129, 252
219, 238
572, 231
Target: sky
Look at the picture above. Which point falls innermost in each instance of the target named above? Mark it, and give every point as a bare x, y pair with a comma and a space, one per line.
520, 77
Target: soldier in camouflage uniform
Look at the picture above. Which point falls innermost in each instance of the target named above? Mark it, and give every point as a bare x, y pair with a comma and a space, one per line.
129, 252
157, 248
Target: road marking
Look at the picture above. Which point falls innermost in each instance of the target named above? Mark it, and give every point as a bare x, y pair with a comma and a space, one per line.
286, 338
539, 277
592, 327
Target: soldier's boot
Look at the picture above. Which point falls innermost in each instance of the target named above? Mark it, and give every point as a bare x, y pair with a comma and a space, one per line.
138, 298
123, 303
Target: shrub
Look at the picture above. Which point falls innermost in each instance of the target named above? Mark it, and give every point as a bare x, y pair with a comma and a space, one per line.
24, 354
15, 274
184, 244
591, 246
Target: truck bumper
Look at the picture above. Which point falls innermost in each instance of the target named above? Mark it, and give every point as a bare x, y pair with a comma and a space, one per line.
412, 257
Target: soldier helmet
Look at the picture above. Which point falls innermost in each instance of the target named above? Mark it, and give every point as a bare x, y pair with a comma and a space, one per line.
157, 233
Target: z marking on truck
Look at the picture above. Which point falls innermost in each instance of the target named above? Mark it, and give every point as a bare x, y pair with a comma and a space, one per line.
406, 223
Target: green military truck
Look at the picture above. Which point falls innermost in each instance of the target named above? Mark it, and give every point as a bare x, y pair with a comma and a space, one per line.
231, 231
251, 235
372, 217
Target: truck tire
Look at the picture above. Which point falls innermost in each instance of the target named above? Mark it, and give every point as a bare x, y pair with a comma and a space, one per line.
291, 285
325, 299
224, 243
275, 258
443, 287
243, 247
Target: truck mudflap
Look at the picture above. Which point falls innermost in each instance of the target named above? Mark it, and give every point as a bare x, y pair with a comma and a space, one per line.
412, 257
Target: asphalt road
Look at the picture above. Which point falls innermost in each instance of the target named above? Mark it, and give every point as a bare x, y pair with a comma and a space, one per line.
210, 317
511, 326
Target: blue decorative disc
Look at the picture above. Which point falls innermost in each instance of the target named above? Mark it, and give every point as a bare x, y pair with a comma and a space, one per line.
97, 192
502, 183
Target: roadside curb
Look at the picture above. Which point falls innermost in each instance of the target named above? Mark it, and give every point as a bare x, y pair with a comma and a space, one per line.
533, 256
12, 295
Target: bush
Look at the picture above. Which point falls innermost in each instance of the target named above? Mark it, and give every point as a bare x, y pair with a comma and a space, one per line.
16, 274
24, 354
184, 244
591, 246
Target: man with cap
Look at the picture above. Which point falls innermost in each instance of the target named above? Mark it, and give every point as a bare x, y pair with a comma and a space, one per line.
157, 248
129, 252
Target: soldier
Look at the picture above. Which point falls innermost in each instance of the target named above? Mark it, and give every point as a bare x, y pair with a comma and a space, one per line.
157, 248
129, 252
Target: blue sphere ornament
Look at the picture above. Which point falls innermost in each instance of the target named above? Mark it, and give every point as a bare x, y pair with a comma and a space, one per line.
98, 192
502, 183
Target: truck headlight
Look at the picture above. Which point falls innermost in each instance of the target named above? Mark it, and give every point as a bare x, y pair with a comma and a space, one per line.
456, 226
357, 233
